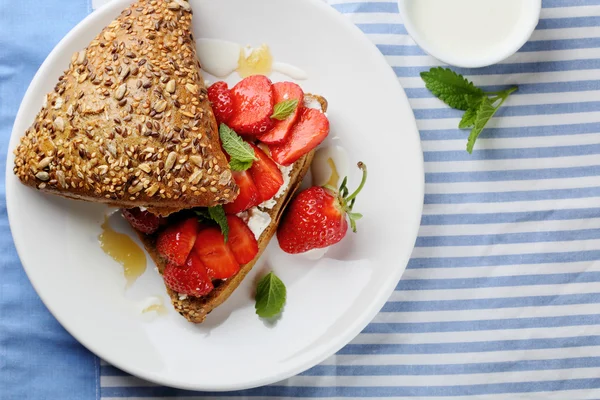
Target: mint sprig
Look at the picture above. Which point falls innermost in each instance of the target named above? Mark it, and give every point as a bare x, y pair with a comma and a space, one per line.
241, 153
284, 109
461, 94
270, 296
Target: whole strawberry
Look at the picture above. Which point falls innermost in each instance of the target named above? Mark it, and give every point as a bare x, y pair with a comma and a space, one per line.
222, 104
316, 218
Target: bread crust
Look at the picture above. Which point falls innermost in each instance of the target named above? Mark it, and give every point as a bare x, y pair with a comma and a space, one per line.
129, 122
195, 309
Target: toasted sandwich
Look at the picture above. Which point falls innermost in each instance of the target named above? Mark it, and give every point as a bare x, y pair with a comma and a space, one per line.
129, 122
223, 259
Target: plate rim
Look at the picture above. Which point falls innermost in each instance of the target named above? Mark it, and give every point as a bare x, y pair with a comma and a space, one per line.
332, 346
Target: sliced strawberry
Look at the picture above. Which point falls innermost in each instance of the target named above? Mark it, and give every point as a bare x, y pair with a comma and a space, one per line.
266, 174
283, 91
252, 106
143, 221
215, 254
310, 130
191, 279
176, 241
241, 240
248, 197
222, 103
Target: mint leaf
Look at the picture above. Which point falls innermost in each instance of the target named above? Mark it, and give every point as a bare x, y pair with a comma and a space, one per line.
284, 109
452, 88
270, 296
237, 165
202, 214
241, 153
468, 119
217, 214
214, 214
485, 111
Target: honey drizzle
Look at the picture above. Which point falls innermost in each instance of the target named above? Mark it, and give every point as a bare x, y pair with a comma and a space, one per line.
124, 251
159, 308
334, 177
259, 62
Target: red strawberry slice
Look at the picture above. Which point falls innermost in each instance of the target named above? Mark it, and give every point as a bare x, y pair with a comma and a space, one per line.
176, 241
248, 197
215, 254
266, 174
310, 130
241, 240
143, 221
252, 106
191, 279
283, 91
222, 103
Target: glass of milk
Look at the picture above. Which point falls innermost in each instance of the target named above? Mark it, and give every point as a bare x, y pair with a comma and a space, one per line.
470, 33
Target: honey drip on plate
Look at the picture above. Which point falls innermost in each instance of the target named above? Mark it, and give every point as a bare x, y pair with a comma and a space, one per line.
335, 177
159, 308
124, 251
258, 62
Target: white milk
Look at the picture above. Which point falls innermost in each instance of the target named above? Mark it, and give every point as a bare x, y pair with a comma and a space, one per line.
468, 29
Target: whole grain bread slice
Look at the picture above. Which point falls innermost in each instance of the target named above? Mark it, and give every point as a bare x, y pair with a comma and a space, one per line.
129, 122
195, 309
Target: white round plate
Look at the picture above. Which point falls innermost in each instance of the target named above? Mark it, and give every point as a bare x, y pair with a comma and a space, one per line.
329, 301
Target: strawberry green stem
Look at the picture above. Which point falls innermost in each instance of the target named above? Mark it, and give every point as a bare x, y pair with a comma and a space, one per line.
363, 167
347, 202
330, 188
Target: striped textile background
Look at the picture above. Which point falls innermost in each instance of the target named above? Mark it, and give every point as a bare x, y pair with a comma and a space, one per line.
500, 299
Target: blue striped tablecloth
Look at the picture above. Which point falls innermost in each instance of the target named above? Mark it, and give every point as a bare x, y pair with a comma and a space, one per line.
500, 299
